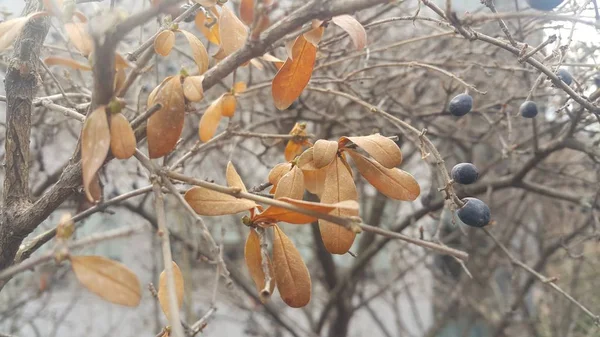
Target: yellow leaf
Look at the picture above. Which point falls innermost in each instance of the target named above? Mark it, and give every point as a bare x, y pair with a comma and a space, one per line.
67, 62
292, 78
95, 141
253, 259
354, 29
209, 202
165, 125
108, 279
210, 120
228, 105
212, 33
198, 51
163, 291
338, 186
79, 37
291, 274
234, 179
291, 185
164, 42
382, 149
247, 11
232, 31
122, 138
277, 172
315, 180
324, 152
192, 88
394, 183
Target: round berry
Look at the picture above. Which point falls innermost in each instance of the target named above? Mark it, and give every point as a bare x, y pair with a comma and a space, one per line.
460, 105
544, 5
564, 76
474, 213
464, 173
528, 109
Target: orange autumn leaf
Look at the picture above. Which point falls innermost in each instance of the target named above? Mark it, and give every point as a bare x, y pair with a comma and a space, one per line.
95, 142
355, 30
212, 33
247, 11
192, 88
292, 78
165, 125
291, 274
253, 257
394, 183
233, 32
164, 42
382, 149
121, 62
210, 120
291, 185
324, 152
228, 105
239, 87
277, 172
338, 186
122, 138
211, 203
275, 214
315, 180
108, 279
163, 291
199, 52
292, 149
233, 178
67, 62
79, 37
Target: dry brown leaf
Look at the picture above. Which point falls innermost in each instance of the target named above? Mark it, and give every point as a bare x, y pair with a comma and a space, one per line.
355, 30
95, 142
338, 186
381, 148
275, 214
122, 138
192, 88
152, 95
79, 37
67, 62
292, 149
163, 291
324, 152
210, 120
247, 11
165, 125
209, 202
164, 42
121, 62
232, 31
212, 33
394, 183
228, 105
292, 78
198, 51
314, 35
291, 274
10, 29
306, 160
233, 178
108, 279
291, 185
253, 259
276, 173
315, 180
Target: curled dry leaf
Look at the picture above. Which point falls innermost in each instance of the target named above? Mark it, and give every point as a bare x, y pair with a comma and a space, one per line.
192, 88
163, 291
292, 78
315, 180
233, 178
209, 202
228, 105
198, 51
210, 120
394, 183
165, 125
232, 31
276, 173
122, 138
275, 214
253, 259
291, 185
247, 11
212, 33
95, 142
66, 62
108, 279
338, 186
381, 148
291, 274
324, 152
164, 42
355, 30
306, 161
79, 37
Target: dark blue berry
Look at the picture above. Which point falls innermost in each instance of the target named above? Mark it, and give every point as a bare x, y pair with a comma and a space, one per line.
460, 105
544, 5
565, 76
474, 213
528, 109
464, 173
